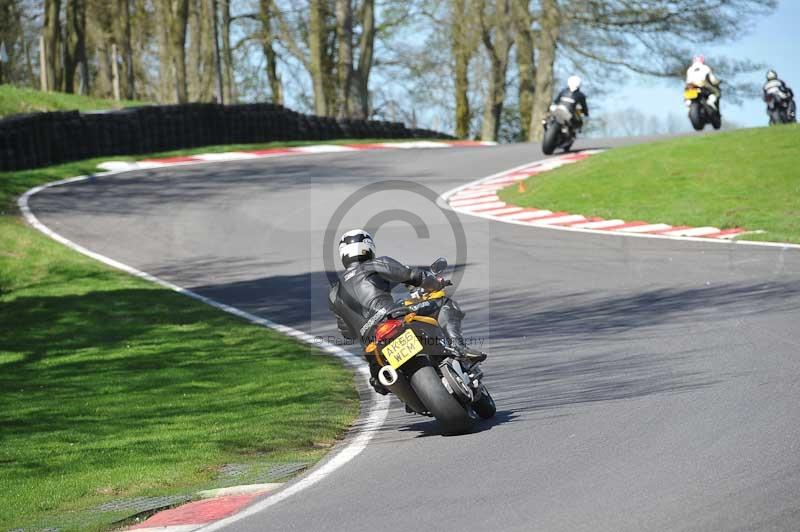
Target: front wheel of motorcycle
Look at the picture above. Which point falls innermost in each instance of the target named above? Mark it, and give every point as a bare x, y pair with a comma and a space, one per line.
453, 417
550, 140
696, 116
484, 406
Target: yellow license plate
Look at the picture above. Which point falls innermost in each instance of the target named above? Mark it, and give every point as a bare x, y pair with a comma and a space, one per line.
690, 94
402, 349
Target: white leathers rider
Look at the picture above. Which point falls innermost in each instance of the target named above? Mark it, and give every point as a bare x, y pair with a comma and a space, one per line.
701, 75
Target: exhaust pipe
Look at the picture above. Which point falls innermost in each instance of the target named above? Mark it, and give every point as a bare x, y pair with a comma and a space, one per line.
390, 379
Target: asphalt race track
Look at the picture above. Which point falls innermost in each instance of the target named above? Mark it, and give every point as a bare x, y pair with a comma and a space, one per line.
641, 384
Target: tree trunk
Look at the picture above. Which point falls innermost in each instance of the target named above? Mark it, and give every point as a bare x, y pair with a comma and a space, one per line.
525, 64
344, 35
52, 41
75, 47
194, 62
219, 92
267, 36
366, 47
546, 55
316, 47
462, 53
227, 52
200, 63
499, 52
179, 17
166, 75
122, 36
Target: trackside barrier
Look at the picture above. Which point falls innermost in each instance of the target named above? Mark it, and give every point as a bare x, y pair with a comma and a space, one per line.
43, 139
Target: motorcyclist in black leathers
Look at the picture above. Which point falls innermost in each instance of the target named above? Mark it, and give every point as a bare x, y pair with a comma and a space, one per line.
574, 100
362, 296
776, 88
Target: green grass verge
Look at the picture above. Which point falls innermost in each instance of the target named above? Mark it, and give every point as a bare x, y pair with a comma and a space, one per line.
113, 388
746, 178
16, 100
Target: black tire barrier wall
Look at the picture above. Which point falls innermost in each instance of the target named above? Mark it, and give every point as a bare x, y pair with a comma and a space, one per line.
43, 139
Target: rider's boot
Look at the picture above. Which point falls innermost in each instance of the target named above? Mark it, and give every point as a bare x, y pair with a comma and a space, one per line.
473, 355
450, 317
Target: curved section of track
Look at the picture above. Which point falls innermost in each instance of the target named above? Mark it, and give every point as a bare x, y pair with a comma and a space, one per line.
641, 384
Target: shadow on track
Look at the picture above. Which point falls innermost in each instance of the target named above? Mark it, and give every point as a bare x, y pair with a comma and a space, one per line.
547, 354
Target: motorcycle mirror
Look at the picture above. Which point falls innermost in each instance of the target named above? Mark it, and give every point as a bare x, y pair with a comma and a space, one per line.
439, 265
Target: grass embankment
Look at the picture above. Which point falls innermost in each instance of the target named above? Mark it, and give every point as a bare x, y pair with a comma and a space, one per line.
747, 178
113, 388
16, 100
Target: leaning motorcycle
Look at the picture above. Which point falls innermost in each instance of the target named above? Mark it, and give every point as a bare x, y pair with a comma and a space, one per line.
780, 107
418, 365
700, 112
559, 130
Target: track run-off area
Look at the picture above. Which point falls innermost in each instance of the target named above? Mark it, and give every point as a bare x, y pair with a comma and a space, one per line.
641, 384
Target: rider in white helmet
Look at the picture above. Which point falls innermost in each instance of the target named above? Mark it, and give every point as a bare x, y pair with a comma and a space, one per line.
363, 295
574, 100
777, 88
701, 75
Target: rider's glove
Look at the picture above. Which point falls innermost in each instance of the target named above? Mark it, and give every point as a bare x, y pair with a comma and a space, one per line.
433, 282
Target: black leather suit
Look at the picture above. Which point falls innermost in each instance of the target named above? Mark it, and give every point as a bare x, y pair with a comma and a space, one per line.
362, 296
572, 101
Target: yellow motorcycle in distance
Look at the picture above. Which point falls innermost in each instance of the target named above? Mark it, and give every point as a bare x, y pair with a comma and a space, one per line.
700, 112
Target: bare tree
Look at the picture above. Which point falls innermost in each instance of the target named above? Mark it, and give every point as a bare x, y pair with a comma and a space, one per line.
344, 36
526, 67
267, 15
123, 38
318, 63
497, 36
546, 44
52, 43
176, 16
366, 49
75, 46
463, 44
227, 52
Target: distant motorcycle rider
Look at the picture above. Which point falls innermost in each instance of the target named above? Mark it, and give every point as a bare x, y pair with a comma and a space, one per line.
574, 100
363, 296
777, 89
701, 75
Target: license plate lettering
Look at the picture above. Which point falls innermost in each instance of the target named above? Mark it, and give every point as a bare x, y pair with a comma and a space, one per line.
402, 349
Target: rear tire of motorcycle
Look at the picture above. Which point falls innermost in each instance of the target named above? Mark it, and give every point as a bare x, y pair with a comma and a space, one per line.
550, 140
696, 117
716, 120
485, 407
445, 408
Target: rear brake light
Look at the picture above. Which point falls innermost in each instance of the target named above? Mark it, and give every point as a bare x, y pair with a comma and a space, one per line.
388, 329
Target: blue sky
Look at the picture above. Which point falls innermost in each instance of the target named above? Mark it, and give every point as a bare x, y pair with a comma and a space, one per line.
774, 40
